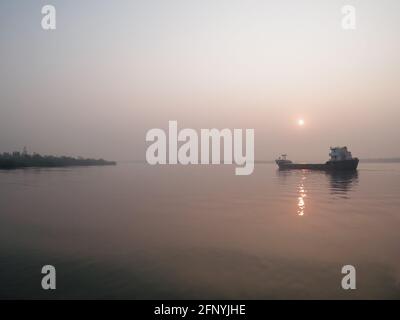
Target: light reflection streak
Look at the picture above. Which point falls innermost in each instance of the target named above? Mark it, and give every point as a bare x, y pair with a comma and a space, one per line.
301, 204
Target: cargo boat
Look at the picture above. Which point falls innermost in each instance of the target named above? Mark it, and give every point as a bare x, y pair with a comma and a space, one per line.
340, 159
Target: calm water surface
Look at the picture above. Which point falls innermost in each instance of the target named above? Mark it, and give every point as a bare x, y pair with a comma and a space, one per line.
136, 231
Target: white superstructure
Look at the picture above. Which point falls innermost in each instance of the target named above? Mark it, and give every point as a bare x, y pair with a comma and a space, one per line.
340, 154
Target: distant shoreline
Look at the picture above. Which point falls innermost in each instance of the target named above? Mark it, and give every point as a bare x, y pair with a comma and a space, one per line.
17, 160
370, 160
383, 160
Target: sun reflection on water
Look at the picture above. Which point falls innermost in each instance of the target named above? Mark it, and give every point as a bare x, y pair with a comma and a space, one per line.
301, 205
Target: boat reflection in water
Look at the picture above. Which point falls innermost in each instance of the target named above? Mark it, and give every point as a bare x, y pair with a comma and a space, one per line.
312, 183
342, 182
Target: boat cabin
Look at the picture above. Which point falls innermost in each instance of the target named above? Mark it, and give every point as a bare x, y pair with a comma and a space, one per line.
340, 154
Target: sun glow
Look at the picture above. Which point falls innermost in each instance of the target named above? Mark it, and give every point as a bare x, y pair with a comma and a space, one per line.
300, 122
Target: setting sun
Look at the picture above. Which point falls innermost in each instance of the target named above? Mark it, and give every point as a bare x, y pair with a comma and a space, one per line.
300, 122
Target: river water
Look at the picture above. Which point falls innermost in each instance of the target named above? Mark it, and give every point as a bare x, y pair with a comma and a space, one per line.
170, 232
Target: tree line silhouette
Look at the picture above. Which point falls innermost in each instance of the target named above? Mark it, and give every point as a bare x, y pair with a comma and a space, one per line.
24, 160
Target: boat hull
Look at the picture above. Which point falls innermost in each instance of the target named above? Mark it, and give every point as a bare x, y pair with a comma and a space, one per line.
343, 165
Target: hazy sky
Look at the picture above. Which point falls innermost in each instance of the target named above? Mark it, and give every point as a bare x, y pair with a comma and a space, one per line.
114, 69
